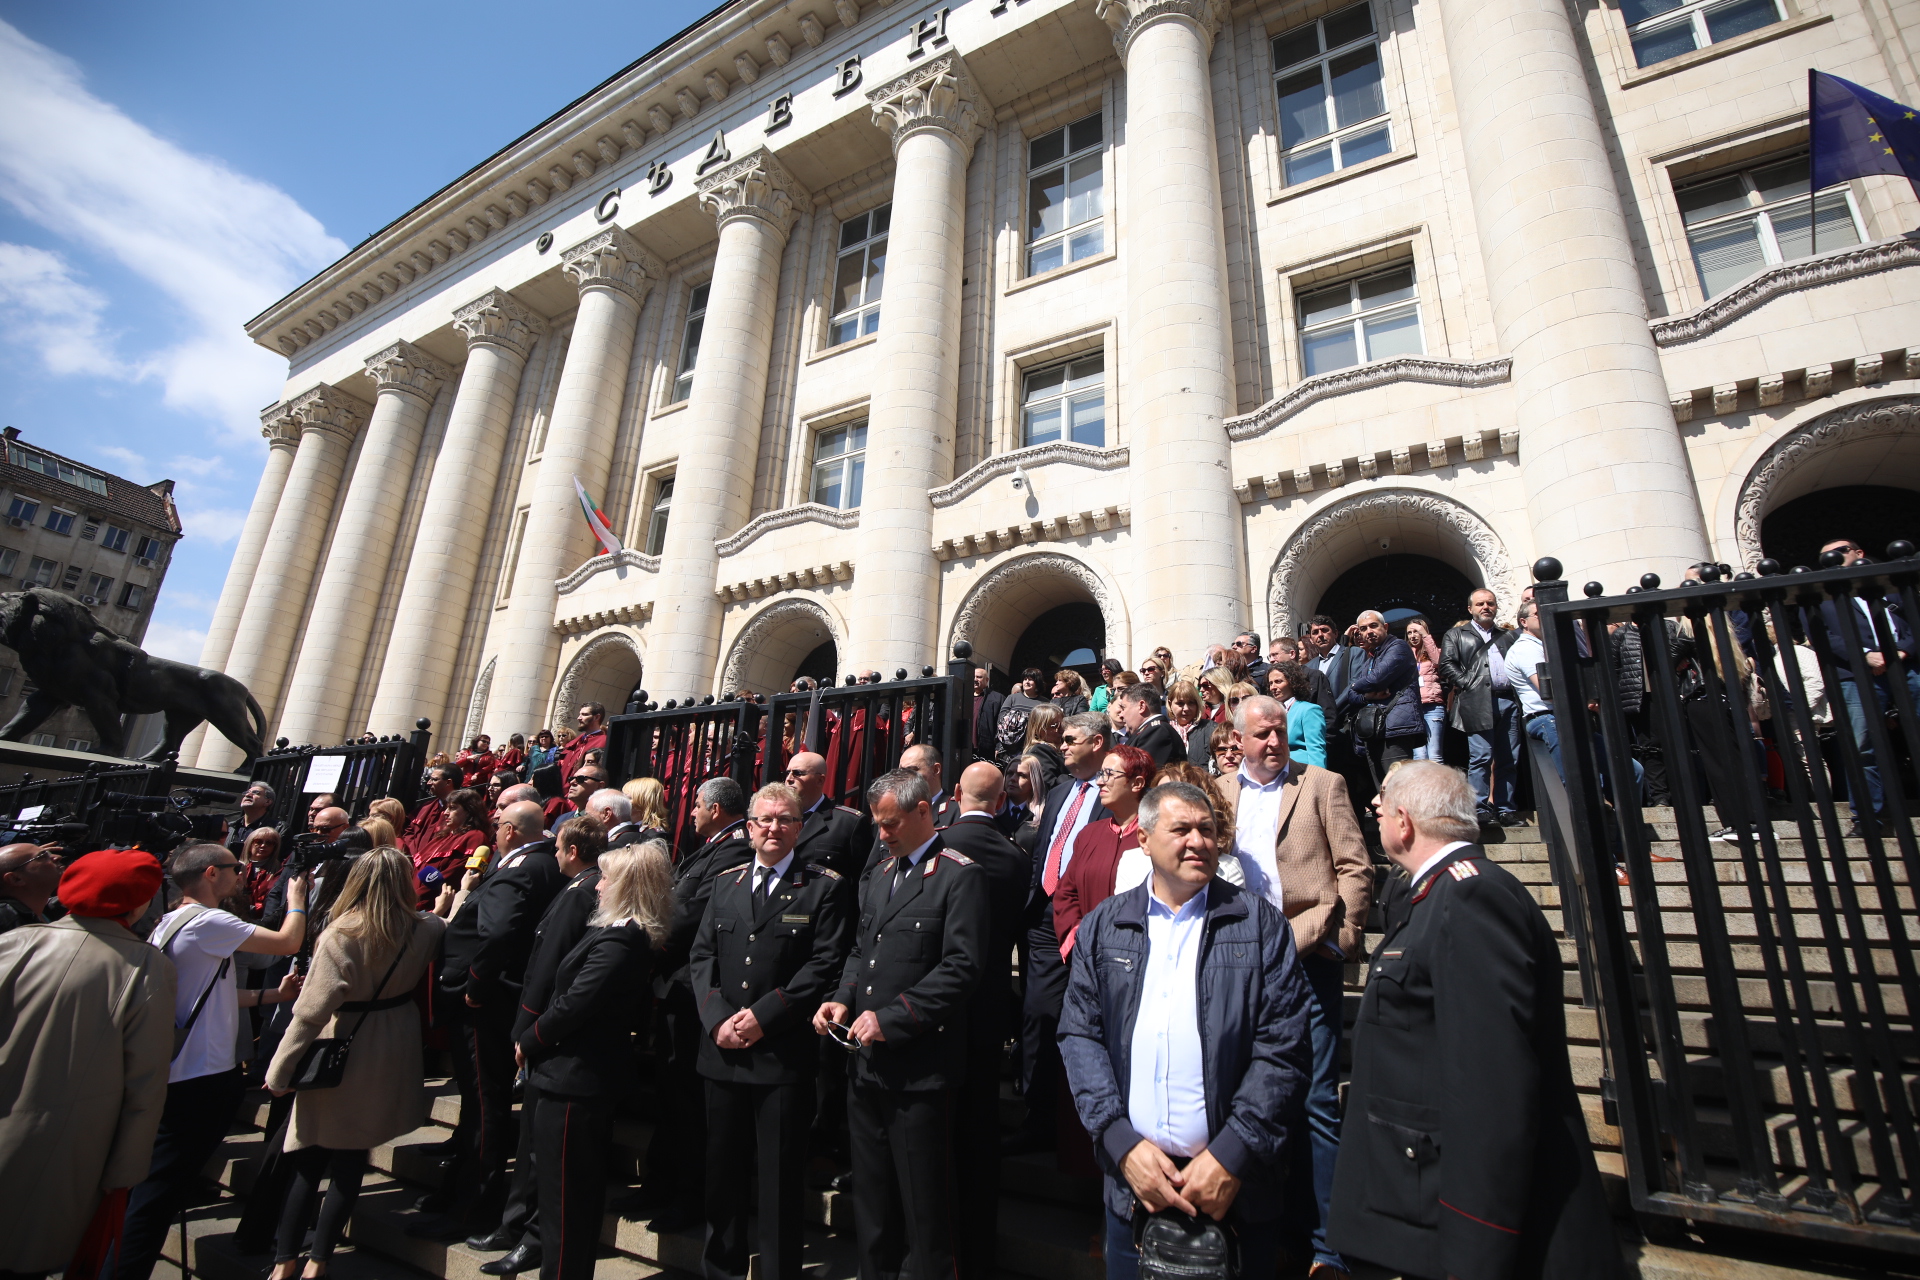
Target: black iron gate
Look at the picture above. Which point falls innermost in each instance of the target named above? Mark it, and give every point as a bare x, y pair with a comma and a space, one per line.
684, 746
1757, 998
365, 771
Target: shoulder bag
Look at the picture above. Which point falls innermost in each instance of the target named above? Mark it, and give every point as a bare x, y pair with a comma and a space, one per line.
1174, 1246
324, 1064
183, 1030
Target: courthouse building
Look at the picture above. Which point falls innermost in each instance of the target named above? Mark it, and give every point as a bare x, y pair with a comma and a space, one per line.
874, 326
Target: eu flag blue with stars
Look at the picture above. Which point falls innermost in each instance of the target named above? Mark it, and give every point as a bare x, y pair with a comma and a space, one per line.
1856, 132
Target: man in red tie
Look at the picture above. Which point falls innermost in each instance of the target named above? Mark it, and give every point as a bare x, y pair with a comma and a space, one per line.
1073, 802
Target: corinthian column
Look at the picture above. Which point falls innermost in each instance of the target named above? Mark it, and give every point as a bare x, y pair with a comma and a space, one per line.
416, 678
1189, 587
405, 380
263, 643
1608, 486
283, 436
754, 199
613, 274
932, 113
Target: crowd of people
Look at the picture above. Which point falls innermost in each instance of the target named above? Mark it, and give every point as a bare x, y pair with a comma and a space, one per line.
1137, 898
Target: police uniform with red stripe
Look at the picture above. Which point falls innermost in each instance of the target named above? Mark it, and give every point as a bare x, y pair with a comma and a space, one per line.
779, 958
918, 952
1464, 1151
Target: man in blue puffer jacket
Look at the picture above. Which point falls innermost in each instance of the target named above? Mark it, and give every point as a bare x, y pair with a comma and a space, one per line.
1384, 673
1191, 1106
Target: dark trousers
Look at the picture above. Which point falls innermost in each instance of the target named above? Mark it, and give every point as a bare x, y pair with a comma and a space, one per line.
485, 1136
829, 1132
1651, 753
1309, 1187
570, 1143
1722, 757
1045, 979
767, 1122
679, 1139
521, 1218
192, 1125
976, 1124
343, 1171
902, 1179
272, 1175
1259, 1247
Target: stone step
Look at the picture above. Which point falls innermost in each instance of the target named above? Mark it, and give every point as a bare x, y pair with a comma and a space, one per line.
1858, 872
1733, 897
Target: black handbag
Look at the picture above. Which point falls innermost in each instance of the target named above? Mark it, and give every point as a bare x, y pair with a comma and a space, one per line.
1173, 1246
324, 1064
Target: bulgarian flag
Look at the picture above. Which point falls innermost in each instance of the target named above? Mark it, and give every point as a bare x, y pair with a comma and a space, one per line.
597, 521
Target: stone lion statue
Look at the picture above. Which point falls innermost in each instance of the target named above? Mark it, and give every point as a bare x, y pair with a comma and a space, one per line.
74, 661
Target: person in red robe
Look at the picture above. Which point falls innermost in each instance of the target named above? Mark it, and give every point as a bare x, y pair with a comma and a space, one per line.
515, 756
1091, 874
591, 737
463, 828
442, 779
477, 762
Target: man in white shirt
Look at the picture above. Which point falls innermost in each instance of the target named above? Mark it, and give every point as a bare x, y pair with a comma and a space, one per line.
1524, 661
204, 1083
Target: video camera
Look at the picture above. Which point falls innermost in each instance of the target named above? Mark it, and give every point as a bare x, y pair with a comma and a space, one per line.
308, 850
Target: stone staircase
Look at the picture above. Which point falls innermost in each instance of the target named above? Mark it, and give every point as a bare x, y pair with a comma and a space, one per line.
1050, 1221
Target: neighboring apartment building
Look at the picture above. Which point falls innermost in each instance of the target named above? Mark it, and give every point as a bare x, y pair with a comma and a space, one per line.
96, 536
1048, 323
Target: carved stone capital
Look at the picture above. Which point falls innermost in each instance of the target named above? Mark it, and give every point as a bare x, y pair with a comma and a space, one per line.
612, 260
407, 369
1129, 18
755, 186
497, 318
939, 94
325, 409
279, 426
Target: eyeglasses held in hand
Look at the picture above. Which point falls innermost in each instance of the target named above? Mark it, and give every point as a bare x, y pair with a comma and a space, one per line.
842, 1035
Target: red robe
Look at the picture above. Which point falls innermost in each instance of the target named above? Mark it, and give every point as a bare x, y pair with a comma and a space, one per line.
422, 826
449, 854
576, 752
476, 768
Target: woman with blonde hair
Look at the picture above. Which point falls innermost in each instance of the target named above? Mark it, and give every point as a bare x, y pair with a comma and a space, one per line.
649, 799
577, 1051
380, 831
1070, 692
372, 955
1046, 726
390, 809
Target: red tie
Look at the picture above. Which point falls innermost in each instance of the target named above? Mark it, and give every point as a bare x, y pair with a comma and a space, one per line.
1051, 879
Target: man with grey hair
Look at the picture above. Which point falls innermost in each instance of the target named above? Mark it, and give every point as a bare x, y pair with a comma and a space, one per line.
256, 809
1175, 1125
614, 812
1462, 1033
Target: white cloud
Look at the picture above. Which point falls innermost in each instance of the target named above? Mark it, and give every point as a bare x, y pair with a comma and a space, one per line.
215, 524
219, 244
171, 640
46, 310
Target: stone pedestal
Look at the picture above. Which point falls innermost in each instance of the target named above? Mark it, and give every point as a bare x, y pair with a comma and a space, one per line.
416, 678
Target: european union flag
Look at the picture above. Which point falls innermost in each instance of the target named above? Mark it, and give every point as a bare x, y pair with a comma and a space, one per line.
1856, 132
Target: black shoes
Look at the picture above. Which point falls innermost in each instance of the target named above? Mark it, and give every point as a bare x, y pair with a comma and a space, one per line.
493, 1241
525, 1257
1511, 819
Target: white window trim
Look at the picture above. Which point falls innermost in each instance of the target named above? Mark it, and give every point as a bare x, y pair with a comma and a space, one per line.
1377, 253
1108, 191
1354, 322
862, 247
1399, 129
1009, 430
651, 486
510, 563
679, 346
1691, 13
813, 444
1696, 288
1064, 397
799, 485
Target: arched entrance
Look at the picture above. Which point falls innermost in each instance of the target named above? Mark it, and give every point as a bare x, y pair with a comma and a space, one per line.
1036, 609
1062, 632
1852, 472
793, 637
1399, 586
606, 670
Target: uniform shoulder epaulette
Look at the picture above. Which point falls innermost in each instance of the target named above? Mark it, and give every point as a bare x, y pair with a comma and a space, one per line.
735, 872
960, 858
820, 870
1463, 870
847, 808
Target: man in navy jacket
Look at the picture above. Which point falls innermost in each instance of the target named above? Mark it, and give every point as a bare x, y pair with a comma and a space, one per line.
1875, 643
1176, 1127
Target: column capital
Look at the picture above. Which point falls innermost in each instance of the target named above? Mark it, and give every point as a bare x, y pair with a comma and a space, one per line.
407, 369
497, 318
279, 426
1129, 17
755, 186
612, 260
325, 408
940, 94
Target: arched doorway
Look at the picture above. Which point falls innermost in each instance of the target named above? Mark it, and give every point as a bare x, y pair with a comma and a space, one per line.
1851, 472
1871, 514
606, 670
821, 664
1062, 632
1036, 609
1399, 586
793, 637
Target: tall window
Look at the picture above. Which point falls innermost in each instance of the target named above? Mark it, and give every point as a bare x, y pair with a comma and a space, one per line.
59, 521
1662, 29
1066, 401
1332, 105
41, 571
657, 522
839, 465
9, 561
1739, 223
1372, 317
515, 536
690, 344
1066, 195
858, 275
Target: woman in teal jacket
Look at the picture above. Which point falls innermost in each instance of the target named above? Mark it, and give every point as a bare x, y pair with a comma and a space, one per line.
1306, 722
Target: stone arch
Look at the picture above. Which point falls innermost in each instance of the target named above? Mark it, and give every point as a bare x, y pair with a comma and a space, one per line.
605, 670
1346, 531
477, 705
999, 607
771, 647
1873, 441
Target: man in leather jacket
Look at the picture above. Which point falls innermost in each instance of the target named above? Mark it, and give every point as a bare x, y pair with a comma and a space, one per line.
1484, 707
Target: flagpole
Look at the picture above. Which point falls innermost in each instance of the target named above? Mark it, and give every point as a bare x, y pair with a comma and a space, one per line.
1813, 221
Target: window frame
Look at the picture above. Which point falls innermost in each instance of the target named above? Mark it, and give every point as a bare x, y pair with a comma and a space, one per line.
105, 594
114, 538
1032, 246
1066, 398
33, 573
1356, 320
680, 386
842, 460
864, 315
60, 521
510, 563
133, 596
149, 548
657, 518
1691, 13
23, 508
1761, 214
1337, 136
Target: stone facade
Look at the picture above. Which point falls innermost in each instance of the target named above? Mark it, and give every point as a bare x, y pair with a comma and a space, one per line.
1093, 301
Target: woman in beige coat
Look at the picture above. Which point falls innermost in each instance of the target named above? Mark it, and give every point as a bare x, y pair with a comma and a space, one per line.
383, 1094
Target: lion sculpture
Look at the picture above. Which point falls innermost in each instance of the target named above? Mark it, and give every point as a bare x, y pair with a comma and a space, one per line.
74, 661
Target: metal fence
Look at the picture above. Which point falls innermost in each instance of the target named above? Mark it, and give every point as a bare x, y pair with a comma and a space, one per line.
116, 803
684, 746
1757, 998
365, 771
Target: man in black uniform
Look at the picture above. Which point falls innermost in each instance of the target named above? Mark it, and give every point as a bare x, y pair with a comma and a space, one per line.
483, 962
902, 999
832, 835
770, 947
1462, 1034
925, 761
977, 1109
1140, 711
577, 849
676, 1157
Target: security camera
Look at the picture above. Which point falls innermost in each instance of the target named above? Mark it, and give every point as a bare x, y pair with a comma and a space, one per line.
1021, 480
1383, 543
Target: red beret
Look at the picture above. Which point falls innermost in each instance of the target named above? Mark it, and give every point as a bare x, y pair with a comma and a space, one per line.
110, 883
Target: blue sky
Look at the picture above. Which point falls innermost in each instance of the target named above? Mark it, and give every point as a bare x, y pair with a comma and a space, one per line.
167, 171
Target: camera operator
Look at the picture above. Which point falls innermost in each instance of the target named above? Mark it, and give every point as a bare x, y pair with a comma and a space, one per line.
204, 1083
29, 874
256, 806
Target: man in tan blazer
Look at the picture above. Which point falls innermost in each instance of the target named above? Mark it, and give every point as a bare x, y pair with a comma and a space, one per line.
86, 1011
1301, 849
